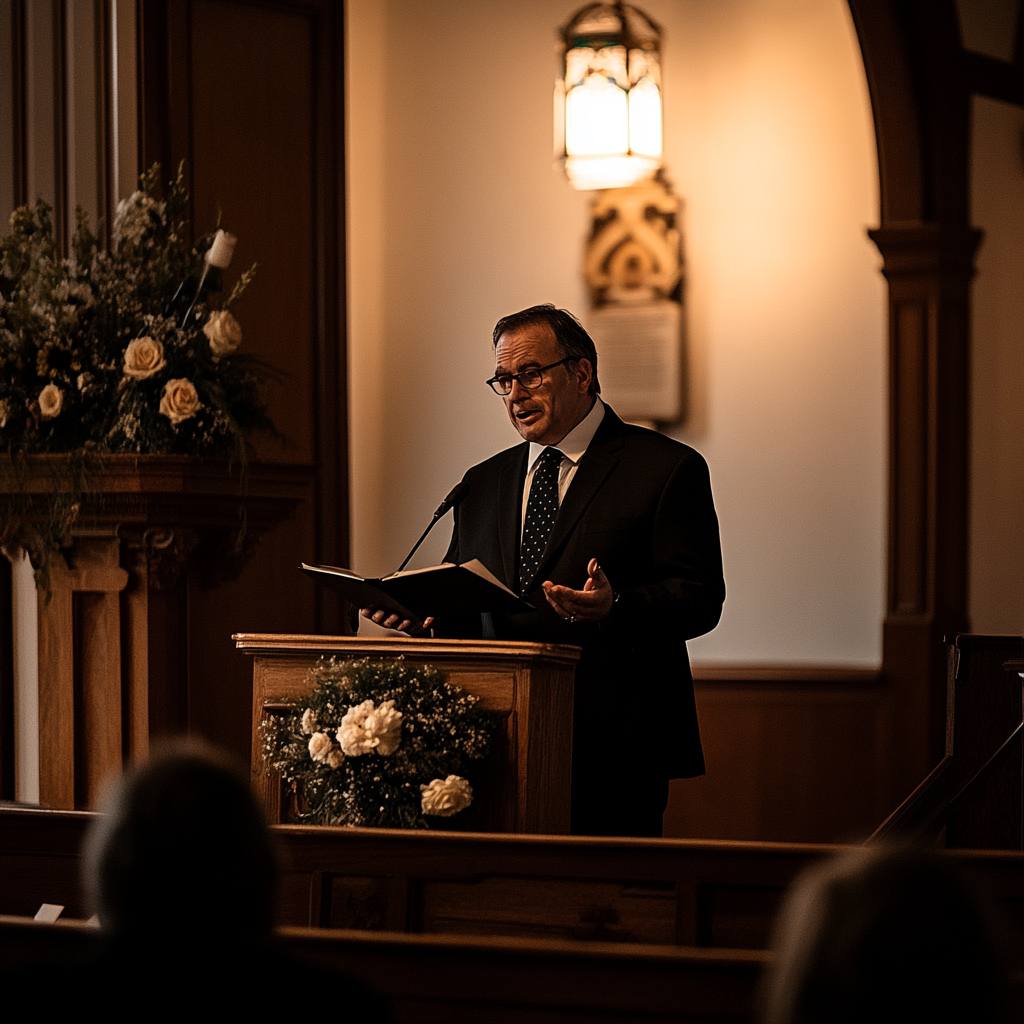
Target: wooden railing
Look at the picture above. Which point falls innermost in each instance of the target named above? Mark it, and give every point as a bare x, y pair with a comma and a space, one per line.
976, 792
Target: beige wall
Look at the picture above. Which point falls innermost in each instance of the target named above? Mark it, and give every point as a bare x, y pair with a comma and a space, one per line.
996, 602
457, 217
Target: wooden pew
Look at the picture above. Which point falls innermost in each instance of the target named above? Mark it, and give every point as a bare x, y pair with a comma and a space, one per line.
443, 978
663, 892
672, 892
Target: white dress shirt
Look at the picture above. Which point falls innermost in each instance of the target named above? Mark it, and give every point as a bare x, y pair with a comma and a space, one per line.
573, 447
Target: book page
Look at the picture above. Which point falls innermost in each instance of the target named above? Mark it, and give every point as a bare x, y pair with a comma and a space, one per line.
474, 565
414, 572
334, 569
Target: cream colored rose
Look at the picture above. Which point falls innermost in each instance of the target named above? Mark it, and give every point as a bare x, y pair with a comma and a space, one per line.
445, 797
143, 358
366, 728
179, 400
335, 759
51, 401
308, 722
320, 746
224, 332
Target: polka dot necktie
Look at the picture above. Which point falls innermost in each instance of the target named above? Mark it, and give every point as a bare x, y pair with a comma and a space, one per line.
541, 509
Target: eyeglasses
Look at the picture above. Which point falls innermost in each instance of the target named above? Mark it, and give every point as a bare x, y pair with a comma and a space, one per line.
530, 379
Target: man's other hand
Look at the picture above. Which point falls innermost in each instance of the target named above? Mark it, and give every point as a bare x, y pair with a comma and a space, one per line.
591, 604
390, 620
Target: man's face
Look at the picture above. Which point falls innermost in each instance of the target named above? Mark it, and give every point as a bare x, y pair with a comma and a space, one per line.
545, 414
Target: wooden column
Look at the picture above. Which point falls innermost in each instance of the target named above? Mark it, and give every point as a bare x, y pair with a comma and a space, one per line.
929, 269
80, 672
141, 520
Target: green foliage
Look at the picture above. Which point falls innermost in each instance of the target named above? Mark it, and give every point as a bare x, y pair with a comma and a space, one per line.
443, 731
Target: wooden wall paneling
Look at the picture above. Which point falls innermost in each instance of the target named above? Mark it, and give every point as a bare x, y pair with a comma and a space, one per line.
56, 124
90, 109
250, 93
40, 139
12, 106
330, 439
793, 753
164, 99
12, 184
6, 683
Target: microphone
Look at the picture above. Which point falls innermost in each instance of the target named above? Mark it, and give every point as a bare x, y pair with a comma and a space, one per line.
454, 496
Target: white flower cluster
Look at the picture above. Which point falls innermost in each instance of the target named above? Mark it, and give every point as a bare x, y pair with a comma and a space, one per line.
445, 797
134, 216
366, 728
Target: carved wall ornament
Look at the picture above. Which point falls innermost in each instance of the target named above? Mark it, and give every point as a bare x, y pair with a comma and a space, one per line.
634, 252
633, 267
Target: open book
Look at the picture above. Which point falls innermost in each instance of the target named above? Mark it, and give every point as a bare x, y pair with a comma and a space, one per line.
440, 590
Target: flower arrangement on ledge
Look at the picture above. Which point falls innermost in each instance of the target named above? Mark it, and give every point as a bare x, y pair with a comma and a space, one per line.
123, 350
379, 744
120, 351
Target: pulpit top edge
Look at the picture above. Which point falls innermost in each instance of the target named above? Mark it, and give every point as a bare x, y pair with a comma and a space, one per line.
358, 646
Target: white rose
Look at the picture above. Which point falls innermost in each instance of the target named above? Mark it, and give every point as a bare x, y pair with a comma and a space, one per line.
319, 746
335, 758
445, 797
308, 721
366, 728
224, 332
51, 400
219, 254
179, 400
143, 358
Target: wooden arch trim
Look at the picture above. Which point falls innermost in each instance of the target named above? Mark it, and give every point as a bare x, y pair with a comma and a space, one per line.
917, 78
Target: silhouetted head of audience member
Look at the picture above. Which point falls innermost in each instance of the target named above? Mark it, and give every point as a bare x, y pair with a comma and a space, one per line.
885, 934
182, 846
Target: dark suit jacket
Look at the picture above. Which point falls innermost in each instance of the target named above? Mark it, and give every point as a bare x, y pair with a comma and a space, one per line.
641, 504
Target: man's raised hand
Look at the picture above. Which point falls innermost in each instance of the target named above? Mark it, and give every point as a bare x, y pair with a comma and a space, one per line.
591, 604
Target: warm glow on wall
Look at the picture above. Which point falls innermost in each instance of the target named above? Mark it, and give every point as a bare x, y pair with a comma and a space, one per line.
608, 97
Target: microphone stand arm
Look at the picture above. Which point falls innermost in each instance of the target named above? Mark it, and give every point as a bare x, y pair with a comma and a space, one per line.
423, 537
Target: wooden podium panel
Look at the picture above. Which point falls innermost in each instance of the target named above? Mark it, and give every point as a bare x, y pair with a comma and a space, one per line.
525, 781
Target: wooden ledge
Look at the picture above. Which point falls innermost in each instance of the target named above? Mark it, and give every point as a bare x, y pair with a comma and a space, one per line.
360, 646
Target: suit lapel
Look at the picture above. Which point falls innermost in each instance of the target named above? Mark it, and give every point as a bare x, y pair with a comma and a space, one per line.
510, 510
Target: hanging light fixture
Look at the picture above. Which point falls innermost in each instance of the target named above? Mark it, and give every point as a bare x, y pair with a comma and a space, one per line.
608, 97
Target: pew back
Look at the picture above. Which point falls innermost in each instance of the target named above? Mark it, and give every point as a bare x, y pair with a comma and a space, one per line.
649, 891
456, 979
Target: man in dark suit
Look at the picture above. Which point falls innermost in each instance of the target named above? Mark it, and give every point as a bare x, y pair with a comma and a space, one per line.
610, 531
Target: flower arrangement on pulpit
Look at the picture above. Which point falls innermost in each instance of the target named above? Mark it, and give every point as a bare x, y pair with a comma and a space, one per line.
379, 744
121, 350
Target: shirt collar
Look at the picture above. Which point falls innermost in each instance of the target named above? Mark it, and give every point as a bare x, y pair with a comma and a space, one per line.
575, 443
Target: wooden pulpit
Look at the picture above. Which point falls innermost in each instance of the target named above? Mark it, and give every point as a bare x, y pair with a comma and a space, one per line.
523, 785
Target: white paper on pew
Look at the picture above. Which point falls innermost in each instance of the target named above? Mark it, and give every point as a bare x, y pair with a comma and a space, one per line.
49, 912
